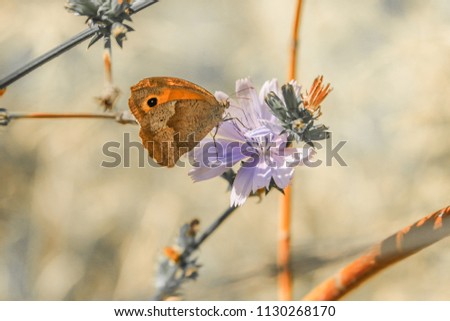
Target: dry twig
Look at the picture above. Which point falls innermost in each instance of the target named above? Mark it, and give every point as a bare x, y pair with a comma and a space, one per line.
396, 247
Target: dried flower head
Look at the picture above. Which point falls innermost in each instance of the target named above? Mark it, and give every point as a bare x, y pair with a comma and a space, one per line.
297, 112
108, 15
316, 95
178, 266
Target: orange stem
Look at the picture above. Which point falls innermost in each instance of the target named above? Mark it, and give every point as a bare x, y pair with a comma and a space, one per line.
284, 254
107, 64
284, 244
404, 243
295, 41
120, 117
60, 115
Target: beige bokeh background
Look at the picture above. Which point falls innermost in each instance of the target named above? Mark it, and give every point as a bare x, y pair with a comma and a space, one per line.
71, 229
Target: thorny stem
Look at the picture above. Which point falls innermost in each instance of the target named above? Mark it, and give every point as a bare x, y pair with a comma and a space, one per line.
284, 255
69, 44
407, 241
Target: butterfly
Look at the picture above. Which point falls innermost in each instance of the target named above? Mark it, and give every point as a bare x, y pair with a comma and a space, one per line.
174, 116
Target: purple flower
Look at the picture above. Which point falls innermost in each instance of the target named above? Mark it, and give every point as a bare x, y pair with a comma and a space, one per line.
253, 137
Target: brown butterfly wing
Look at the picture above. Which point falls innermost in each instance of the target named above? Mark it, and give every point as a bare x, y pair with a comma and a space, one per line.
184, 115
156, 136
192, 121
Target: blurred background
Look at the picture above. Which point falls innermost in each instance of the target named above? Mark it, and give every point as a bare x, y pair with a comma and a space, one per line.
73, 230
